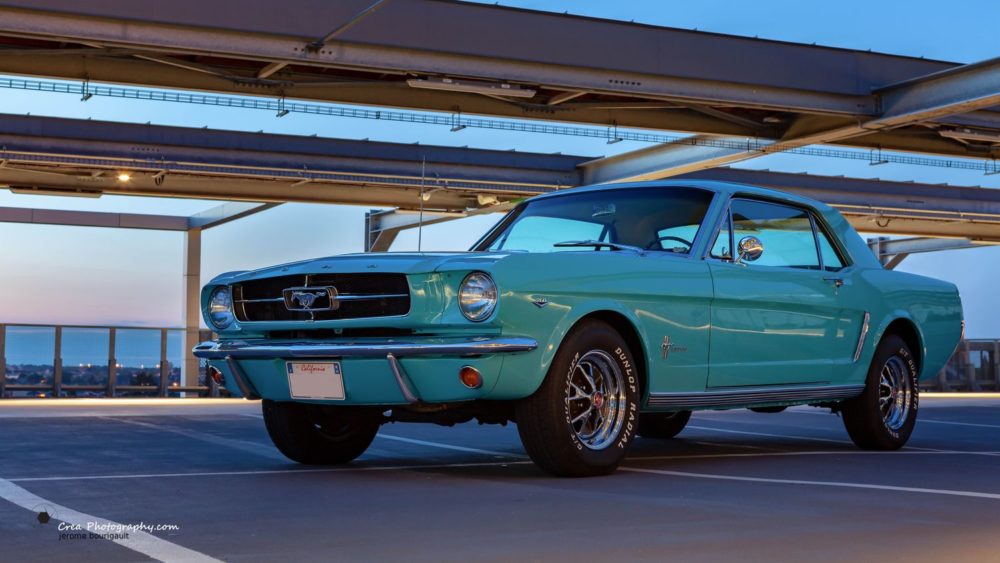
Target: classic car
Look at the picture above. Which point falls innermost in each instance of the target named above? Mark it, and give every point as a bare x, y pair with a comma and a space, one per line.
588, 317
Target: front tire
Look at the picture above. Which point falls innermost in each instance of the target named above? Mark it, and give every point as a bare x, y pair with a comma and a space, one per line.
583, 418
882, 418
318, 434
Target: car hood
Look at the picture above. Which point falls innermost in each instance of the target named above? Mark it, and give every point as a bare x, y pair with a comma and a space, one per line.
373, 262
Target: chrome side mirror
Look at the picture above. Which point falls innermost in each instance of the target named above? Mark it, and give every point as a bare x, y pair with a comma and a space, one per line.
750, 249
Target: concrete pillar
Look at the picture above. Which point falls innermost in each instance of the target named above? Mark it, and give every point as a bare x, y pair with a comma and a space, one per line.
192, 305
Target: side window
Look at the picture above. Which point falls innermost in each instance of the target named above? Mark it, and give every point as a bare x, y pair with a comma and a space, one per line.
831, 261
677, 239
786, 233
720, 249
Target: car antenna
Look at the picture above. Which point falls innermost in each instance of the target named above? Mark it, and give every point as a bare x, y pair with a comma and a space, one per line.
420, 221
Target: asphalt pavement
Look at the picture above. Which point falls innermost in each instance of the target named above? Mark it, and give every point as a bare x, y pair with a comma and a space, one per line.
104, 480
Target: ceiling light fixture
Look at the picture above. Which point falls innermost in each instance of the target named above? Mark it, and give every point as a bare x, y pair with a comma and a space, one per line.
124, 177
31, 190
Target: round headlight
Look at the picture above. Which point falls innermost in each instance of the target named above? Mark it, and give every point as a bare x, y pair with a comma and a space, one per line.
220, 310
477, 296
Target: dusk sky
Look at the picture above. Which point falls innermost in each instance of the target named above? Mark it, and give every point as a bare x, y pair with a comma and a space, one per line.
105, 276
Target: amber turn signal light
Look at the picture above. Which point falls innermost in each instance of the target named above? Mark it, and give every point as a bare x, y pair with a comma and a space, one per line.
470, 377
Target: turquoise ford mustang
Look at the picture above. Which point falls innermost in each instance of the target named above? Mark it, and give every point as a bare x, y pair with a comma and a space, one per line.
588, 317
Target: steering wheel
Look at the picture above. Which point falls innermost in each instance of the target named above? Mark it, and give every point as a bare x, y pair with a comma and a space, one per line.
660, 240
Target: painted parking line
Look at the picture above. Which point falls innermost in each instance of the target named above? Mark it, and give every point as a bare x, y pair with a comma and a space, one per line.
806, 453
924, 420
344, 469
136, 540
446, 446
767, 434
473, 464
242, 445
831, 440
920, 420
949, 492
265, 450
840, 484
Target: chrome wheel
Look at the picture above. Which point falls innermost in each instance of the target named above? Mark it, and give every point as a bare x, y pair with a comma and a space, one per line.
596, 399
895, 393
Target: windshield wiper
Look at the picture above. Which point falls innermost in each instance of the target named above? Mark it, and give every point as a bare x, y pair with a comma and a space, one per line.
598, 244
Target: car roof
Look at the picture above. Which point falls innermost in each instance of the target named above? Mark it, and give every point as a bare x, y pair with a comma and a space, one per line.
723, 188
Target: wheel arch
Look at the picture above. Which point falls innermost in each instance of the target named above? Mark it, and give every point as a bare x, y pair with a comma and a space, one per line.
630, 333
904, 327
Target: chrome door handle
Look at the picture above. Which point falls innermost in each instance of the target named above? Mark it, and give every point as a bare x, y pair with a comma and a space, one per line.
836, 281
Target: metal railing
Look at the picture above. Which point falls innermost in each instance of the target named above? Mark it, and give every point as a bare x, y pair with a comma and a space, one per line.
27, 369
975, 366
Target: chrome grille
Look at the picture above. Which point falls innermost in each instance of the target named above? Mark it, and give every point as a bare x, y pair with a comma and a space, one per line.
358, 296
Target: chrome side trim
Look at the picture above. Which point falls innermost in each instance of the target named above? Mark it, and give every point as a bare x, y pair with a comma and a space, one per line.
269, 349
757, 395
247, 389
402, 380
861, 337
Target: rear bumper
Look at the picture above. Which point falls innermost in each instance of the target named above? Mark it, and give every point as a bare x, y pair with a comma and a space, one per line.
267, 350
257, 367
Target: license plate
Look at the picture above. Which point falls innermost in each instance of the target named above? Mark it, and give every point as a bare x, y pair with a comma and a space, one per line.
316, 380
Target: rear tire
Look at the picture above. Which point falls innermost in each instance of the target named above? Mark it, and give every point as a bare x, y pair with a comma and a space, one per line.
583, 418
662, 425
882, 418
317, 434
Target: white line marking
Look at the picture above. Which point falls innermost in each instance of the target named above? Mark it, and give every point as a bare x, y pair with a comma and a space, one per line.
922, 420
765, 434
459, 465
810, 438
973, 494
276, 471
446, 446
806, 453
138, 541
740, 446
919, 420
251, 447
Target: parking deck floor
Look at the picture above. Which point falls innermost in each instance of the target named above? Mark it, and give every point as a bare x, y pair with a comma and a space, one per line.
737, 484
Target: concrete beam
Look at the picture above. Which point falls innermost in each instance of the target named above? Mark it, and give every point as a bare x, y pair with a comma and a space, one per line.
227, 212
668, 159
891, 252
92, 219
957, 90
383, 226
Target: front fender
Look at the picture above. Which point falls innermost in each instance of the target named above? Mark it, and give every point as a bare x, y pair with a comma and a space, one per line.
523, 373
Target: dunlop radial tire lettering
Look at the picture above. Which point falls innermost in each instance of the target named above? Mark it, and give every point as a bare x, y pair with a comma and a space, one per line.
595, 370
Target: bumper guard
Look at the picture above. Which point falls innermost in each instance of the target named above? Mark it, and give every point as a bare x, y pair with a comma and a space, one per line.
232, 350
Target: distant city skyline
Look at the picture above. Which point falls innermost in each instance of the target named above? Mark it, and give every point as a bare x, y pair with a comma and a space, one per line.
74, 275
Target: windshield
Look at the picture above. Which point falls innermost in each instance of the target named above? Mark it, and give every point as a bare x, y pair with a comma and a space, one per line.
659, 219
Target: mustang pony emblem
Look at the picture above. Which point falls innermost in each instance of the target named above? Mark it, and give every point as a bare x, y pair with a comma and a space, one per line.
306, 298
310, 299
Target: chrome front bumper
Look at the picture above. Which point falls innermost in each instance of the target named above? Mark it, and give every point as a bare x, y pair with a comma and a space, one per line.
267, 350
232, 350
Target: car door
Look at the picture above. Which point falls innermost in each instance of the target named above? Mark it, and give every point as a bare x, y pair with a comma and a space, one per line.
777, 317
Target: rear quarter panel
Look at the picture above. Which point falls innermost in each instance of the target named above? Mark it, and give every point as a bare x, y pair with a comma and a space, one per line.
933, 306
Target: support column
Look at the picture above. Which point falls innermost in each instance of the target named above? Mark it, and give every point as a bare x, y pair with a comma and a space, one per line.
57, 365
192, 306
3, 361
